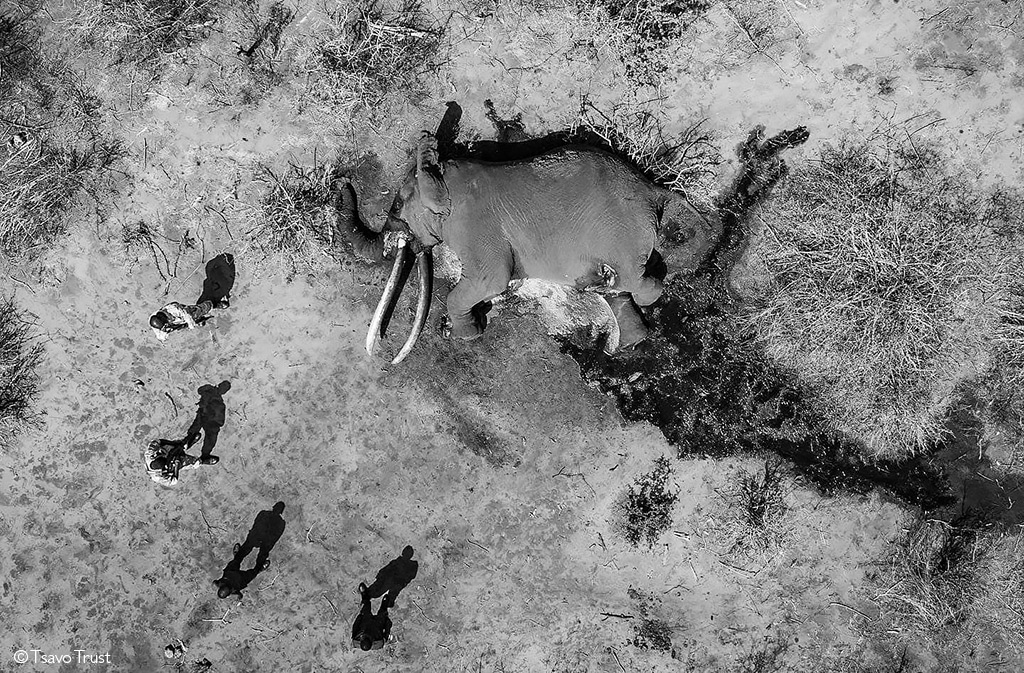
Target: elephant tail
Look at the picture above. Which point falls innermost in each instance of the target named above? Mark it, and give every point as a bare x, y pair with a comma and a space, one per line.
366, 242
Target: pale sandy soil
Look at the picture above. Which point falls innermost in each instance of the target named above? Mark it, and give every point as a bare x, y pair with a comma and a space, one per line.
459, 451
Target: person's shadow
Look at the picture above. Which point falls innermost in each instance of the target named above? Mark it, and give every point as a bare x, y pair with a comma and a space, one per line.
394, 577
210, 417
219, 281
266, 530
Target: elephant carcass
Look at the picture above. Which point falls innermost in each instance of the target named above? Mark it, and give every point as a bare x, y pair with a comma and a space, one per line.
575, 215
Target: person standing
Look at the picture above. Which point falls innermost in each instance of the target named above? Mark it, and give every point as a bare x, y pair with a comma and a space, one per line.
370, 631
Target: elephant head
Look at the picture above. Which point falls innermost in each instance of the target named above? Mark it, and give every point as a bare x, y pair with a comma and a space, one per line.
412, 225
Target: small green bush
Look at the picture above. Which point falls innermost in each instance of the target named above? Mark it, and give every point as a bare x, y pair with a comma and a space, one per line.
652, 634
644, 511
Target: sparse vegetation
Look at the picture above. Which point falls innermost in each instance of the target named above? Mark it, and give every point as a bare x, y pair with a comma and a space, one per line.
885, 275
20, 355
644, 511
767, 658
52, 148
366, 54
934, 578
647, 28
262, 57
652, 634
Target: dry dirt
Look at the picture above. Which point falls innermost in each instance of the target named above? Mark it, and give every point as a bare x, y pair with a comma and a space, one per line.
493, 459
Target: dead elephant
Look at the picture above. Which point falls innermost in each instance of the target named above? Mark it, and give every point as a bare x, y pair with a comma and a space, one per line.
575, 215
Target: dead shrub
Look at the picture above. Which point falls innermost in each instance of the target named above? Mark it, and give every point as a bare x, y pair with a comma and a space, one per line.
20, 356
143, 31
644, 511
264, 55
367, 54
295, 216
885, 271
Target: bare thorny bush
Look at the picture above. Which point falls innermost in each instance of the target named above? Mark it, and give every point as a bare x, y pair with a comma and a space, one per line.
886, 274
364, 55
53, 150
686, 163
647, 28
20, 355
143, 239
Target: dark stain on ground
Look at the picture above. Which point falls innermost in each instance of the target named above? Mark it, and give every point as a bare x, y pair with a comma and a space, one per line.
714, 392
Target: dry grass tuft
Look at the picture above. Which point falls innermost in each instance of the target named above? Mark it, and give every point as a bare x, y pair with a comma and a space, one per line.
53, 149
20, 355
644, 511
755, 527
142, 31
686, 163
295, 216
886, 272
365, 54
935, 576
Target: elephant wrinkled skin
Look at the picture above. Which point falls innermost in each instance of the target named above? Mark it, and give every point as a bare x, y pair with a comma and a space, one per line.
575, 215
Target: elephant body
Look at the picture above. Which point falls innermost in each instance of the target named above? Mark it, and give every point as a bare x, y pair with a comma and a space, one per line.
542, 219
575, 215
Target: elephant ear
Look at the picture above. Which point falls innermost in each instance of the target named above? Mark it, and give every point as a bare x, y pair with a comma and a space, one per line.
430, 177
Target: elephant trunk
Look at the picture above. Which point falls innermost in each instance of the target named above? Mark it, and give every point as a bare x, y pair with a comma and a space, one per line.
392, 290
366, 242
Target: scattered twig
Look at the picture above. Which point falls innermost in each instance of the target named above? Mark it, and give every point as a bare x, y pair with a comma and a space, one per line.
616, 655
173, 403
852, 609
417, 606
477, 544
222, 620
331, 603
615, 615
562, 473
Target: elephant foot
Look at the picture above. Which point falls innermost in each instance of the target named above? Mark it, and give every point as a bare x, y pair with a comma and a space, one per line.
632, 329
465, 328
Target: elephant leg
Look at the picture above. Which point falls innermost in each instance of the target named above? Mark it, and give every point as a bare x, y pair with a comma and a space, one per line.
632, 329
469, 302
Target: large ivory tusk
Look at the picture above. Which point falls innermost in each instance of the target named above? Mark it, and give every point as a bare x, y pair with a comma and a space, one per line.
373, 335
426, 274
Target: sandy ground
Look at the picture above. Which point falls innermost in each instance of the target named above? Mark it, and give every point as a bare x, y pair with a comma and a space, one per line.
492, 458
